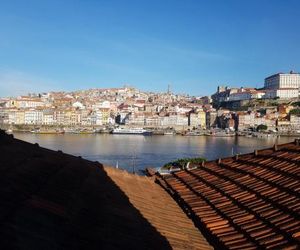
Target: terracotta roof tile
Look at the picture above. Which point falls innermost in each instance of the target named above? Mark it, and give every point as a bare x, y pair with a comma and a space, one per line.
251, 200
51, 200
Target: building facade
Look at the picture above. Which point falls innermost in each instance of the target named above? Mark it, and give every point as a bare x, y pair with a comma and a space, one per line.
283, 85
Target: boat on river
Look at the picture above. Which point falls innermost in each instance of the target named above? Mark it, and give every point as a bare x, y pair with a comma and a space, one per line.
169, 132
193, 133
49, 131
222, 134
9, 131
131, 131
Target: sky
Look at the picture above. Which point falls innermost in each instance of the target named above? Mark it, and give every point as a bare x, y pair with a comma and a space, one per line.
193, 45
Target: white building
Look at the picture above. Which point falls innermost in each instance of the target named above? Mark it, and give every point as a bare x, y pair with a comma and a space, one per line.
78, 105
295, 122
239, 96
282, 93
20, 117
27, 102
48, 117
97, 118
103, 104
182, 120
283, 85
59, 117
12, 117
152, 120
135, 119
246, 94
173, 120
32, 116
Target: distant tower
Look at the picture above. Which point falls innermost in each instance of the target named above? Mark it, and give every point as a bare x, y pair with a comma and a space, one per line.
169, 88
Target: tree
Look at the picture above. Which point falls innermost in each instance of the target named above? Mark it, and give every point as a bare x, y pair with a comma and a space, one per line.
296, 104
261, 127
182, 162
295, 112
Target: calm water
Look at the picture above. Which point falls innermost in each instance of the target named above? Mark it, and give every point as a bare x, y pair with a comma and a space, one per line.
152, 151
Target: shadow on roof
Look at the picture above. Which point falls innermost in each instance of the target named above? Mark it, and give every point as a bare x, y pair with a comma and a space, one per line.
51, 200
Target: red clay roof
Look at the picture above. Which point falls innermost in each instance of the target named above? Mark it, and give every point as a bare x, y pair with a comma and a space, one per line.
246, 202
51, 200
160, 210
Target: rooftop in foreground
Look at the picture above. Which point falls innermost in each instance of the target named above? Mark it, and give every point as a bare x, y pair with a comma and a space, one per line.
244, 202
51, 200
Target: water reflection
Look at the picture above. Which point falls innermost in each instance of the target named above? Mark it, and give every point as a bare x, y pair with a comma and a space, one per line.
142, 151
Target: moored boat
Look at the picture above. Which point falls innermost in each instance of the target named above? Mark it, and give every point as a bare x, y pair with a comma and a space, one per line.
38, 131
222, 134
9, 131
193, 133
131, 131
169, 133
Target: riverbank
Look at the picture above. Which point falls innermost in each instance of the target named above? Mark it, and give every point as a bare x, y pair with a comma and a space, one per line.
153, 131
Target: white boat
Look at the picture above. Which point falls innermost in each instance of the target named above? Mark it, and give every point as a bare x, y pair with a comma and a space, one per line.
169, 133
131, 131
9, 131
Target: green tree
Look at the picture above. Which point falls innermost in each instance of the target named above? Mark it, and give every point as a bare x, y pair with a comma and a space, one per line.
295, 112
261, 127
183, 161
295, 104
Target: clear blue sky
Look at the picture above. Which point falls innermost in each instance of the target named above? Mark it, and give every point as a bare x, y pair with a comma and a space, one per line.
193, 45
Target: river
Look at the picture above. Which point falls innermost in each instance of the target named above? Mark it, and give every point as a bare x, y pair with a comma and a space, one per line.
138, 152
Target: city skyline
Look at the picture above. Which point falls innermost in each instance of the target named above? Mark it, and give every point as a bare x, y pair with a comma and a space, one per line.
193, 46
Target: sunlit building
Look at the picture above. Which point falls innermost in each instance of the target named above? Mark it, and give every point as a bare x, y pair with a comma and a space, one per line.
283, 85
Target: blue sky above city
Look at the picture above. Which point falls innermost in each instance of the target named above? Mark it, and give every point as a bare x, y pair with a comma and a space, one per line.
192, 45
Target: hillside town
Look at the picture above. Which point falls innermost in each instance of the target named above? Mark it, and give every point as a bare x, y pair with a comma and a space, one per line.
273, 108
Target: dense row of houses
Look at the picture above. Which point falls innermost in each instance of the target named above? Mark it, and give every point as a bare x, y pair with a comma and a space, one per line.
204, 118
67, 117
99, 117
132, 107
